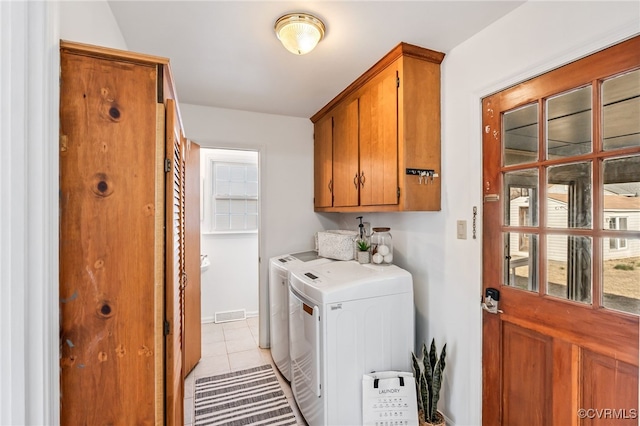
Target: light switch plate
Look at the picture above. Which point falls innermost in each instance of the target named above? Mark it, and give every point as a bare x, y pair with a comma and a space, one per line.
462, 230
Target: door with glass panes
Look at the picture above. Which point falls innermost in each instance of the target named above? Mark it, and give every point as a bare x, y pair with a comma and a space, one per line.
561, 221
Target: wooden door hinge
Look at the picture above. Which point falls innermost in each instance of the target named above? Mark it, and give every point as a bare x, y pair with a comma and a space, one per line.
398, 193
167, 327
167, 165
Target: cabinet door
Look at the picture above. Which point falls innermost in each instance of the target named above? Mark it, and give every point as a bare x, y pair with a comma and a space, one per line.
174, 280
379, 140
323, 162
107, 264
345, 155
192, 309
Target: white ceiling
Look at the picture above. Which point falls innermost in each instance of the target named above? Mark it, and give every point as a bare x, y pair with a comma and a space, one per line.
225, 53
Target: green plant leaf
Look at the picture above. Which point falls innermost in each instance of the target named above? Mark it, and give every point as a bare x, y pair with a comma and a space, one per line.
428, 367
428, 372
424, 396
417, 374
433, 355
437, 384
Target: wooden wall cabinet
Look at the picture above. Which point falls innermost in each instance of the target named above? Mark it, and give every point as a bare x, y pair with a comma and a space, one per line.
127, 250
385, 122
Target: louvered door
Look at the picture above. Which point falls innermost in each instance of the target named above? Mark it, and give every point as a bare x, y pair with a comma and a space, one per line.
175, 277
192, 313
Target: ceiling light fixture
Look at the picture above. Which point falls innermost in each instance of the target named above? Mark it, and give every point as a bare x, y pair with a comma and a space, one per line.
299, 32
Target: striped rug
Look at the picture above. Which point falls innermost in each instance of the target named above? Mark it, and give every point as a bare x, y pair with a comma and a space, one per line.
247, 397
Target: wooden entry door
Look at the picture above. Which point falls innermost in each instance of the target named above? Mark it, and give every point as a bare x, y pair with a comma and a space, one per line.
563, 347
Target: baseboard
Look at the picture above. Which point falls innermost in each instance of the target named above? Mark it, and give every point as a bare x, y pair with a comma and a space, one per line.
212, 319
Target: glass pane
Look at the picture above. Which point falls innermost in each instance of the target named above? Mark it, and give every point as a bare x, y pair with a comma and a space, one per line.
237, 222
238, 207
252, 221
221, 206
621, 274
622, 193
569, 124
221, 222
520, 130
238, 174
521, 260
569, 196
521, 189
252, 206
620, 111
569, 267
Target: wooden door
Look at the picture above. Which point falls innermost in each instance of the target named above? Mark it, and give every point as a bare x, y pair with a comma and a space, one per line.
564, 349
192, 306
323, 162
379, 140
346, 182
109, 297
175, 278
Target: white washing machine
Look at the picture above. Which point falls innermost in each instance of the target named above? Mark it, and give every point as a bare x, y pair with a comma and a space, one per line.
345, 320
279, 268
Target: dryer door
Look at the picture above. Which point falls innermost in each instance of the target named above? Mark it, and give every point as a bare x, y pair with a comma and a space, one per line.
305, 351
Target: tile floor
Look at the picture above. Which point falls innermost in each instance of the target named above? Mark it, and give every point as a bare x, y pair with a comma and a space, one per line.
230, 347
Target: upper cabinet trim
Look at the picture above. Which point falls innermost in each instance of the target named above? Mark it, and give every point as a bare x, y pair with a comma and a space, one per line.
402, 49
107, 52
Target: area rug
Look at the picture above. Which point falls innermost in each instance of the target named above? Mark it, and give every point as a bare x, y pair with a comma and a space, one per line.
246, 397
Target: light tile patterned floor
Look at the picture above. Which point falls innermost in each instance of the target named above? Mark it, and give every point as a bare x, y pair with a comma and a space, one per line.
230, 347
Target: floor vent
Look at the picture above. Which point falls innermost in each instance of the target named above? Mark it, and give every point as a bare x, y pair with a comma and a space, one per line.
227, 316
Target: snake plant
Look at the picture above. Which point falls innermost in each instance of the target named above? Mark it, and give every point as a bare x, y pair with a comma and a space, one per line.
428, 373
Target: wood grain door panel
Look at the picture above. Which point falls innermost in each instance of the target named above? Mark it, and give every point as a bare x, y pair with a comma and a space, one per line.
323, 162
108, 331
526, 375
609, 391
192, 305
174, 269
345, 155
379, 140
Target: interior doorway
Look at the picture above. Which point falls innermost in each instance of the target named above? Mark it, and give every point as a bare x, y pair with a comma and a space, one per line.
230, 218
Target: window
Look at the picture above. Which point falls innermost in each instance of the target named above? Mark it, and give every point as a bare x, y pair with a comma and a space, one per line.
235, 196
619, 224
571, 184
230, 188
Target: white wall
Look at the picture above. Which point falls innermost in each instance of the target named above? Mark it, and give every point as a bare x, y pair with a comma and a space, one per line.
90, 22
534, 38
29, 96
285, 146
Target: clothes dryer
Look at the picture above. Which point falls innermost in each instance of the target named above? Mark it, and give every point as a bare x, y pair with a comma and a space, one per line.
345, 320
279, 267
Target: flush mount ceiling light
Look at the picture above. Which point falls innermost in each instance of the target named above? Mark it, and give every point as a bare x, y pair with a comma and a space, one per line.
299, 32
